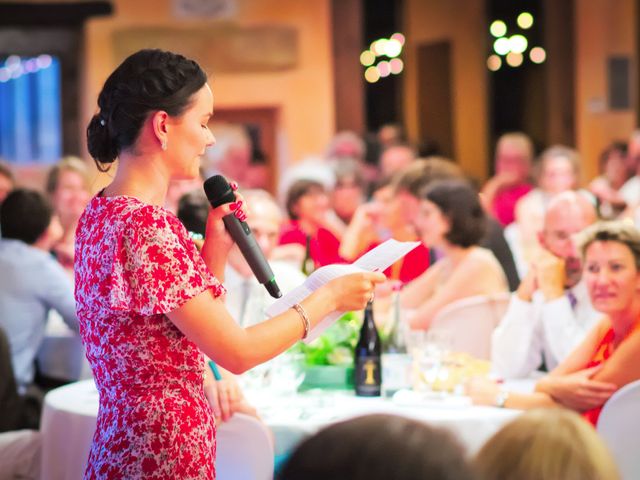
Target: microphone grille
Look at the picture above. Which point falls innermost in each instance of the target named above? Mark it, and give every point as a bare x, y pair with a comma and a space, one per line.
218, 190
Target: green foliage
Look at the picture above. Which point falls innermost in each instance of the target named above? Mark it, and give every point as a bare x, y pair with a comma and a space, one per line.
335, 346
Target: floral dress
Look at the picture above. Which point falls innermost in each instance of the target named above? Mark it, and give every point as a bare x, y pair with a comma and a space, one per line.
133, 264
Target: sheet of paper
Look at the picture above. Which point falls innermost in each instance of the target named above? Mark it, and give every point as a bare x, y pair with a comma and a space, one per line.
377, 259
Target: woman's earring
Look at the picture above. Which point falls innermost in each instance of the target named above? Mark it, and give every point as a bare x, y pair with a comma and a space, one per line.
164, 145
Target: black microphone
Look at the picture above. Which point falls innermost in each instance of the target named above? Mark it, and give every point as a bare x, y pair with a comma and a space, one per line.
219, 192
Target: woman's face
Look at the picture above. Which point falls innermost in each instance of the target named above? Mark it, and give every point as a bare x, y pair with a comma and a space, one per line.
432, 224
189, 135
612, 278
70, 197
312, 206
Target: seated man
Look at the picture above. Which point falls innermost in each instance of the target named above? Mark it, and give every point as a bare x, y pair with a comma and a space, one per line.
550, 313
32, 281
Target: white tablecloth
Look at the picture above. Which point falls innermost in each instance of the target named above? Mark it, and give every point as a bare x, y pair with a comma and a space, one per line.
61, 355
70, 412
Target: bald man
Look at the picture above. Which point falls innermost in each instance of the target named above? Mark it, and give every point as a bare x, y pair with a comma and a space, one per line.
550, 313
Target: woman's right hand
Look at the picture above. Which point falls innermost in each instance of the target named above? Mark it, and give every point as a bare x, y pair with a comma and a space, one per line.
217, 241
353, 291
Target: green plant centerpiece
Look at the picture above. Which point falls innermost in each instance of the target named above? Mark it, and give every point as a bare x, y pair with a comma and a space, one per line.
328, 360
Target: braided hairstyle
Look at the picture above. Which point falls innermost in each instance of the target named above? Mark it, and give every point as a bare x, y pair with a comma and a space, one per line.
147, 81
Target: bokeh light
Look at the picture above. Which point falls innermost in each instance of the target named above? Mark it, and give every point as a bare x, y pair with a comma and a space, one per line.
518, 43
392, 48
384, 68
399, 38
501, 46
367, 58
494, 62
372, 75
538, 55
396, 65
525, 20
498, 28
514, 59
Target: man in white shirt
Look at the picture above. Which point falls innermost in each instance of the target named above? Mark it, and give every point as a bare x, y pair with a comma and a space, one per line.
247, 299
550, 313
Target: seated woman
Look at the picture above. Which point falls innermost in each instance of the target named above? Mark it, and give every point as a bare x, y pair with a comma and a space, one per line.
376, 221
313, 223
608, 357
452, 221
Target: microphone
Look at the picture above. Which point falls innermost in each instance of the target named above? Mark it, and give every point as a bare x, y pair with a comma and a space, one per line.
219, 192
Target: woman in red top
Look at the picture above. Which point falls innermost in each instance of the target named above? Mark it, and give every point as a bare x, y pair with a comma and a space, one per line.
149, 304
609, 357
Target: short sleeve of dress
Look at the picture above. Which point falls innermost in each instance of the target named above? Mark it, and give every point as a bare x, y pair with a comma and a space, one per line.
157, 268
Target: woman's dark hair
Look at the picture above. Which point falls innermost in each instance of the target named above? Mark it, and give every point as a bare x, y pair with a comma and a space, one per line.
459, 202
147, 81
297, 190
193, 209
377, 447
25, 215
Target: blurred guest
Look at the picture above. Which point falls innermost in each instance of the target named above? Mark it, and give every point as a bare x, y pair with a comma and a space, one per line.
312, 222
558, 171
607, 358
550, 313
452, 221
390, 134
613, 174
349, 190
546, 445
377, 447
395, 158
377, 221
346, 144
68, 188
514, 154
630, 191
7, 181
32, 282
178, 189
408, 186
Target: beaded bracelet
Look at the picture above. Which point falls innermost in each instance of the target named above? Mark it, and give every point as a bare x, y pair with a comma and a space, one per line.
305, 319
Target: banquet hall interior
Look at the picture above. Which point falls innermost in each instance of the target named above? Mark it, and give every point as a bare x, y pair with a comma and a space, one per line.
483, 154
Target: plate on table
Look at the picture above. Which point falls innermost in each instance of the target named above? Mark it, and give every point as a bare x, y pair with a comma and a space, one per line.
409, 398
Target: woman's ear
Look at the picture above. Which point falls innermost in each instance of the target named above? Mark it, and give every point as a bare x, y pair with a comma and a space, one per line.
159, 123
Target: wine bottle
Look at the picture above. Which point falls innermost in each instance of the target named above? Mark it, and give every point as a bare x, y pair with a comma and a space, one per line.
308, 264
368, 371
396, 362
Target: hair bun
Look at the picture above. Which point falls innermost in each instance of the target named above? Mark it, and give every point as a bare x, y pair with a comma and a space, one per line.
100, 144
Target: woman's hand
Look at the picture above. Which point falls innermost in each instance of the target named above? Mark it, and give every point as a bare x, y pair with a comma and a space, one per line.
578, 390
217, 241
353, 291
482, 391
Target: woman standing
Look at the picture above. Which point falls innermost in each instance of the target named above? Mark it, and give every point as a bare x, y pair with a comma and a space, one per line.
148, 303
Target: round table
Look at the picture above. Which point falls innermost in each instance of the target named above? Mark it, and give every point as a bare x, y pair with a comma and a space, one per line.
70, 412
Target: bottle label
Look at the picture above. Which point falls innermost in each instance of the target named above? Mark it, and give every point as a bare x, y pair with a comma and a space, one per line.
368, 376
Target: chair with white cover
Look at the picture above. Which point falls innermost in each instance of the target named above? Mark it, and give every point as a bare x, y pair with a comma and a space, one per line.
619, 424
244, 450
470, 322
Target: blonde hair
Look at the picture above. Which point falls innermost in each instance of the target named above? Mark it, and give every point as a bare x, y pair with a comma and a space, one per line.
620, 231
68, 163
546, 444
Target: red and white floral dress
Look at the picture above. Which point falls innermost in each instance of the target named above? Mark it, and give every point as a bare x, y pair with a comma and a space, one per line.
134, 263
